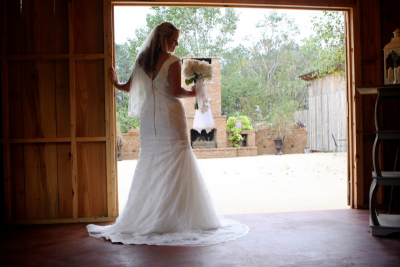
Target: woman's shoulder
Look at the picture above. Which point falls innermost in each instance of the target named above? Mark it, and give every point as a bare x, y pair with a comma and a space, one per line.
173, 59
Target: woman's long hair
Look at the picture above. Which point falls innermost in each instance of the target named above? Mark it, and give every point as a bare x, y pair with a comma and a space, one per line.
148, 59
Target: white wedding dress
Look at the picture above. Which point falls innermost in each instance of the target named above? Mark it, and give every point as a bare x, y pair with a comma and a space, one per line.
168, 202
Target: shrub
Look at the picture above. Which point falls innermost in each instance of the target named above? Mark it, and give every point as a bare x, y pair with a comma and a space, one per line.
236, 137
230, 124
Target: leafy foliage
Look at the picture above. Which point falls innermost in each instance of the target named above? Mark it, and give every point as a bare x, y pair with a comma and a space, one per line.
204, 31
326, 49
258, 78
236, 136
260, 81
282, 120
126, 122
230, 124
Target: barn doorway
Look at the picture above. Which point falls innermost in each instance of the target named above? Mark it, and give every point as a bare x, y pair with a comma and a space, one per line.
338, 153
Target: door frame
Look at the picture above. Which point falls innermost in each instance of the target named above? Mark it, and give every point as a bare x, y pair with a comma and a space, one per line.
351, 8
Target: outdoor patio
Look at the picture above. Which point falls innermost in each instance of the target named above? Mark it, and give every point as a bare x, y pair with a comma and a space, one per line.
265, 184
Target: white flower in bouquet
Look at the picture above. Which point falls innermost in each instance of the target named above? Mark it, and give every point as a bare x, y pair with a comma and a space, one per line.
196, 69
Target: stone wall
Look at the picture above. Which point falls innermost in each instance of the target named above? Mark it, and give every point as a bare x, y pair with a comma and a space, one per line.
259, 142
131, 145
295, 145
229, 152
212, 153
246, 151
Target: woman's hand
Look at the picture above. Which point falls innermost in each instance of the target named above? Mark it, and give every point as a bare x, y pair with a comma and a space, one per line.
114, 79
194, 90
113, 76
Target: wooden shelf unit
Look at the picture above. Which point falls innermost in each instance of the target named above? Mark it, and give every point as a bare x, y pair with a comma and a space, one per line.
382, 224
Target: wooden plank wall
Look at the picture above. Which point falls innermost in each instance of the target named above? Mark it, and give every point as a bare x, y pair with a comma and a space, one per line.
302, 116
326, 116
378, 19
55, 101
327, 113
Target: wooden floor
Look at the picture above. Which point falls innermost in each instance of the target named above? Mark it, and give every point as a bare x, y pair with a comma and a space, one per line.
313, 238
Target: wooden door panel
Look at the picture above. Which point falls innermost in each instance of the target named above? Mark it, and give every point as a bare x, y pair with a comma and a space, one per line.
88, 27
14, 34
90, 98
92, 179
61, 41
64, 180
15, 99
41, 185
38, 27
39, 110
17, 181
63, 113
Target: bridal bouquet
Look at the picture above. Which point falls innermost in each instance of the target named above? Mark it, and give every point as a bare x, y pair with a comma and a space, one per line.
194, 70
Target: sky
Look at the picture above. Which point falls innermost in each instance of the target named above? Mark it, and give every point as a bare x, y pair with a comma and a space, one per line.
127, 19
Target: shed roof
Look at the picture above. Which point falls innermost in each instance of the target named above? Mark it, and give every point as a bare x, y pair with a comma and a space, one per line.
312, 74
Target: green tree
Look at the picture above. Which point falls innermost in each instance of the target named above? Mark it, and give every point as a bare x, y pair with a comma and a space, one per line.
123, 66
204, 31
125, 122
326, 48
240, 86
258, 79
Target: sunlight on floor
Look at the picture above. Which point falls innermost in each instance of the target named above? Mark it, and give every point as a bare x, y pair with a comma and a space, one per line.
263, 184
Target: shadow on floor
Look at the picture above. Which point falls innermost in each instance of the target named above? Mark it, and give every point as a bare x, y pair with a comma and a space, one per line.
310, 238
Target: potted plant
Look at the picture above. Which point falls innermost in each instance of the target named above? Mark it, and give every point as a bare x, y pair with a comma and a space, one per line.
236, 137
232, 125
282, 125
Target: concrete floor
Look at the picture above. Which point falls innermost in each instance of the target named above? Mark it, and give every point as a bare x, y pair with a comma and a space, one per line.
335, 237
263, 184
306, 238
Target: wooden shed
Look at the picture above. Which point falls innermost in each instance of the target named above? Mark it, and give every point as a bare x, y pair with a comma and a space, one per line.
58, 105
326, 116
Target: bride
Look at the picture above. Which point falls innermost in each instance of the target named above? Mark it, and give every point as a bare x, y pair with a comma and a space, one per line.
168, 203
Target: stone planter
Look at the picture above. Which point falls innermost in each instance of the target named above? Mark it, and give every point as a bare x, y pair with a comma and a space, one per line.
278, 146
238, 124
119, 145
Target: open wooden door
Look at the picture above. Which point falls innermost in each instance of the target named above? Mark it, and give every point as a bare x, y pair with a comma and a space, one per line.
57, 112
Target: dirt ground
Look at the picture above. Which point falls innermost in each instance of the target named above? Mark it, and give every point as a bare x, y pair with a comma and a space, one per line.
264, 184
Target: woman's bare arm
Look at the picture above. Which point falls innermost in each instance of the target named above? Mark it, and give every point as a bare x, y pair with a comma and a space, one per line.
174, 80
121, 86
